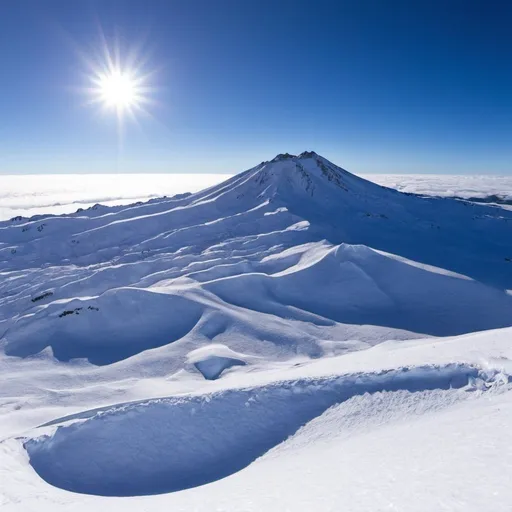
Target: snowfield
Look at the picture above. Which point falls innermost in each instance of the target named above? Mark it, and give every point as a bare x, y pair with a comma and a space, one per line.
295, 337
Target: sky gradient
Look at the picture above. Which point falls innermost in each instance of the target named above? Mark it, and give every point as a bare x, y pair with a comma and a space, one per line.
374, 86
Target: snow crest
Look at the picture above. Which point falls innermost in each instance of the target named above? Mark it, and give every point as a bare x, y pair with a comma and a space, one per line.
172, 444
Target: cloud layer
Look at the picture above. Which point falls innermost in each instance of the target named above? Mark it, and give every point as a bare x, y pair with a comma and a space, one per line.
28, 195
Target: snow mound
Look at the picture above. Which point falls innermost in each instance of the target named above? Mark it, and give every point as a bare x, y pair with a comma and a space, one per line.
167, 445
298, 297
357, 285
212, 360
105, 329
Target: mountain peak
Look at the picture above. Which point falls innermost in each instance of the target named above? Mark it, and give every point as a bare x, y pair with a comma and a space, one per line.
288, 156
304, 172
283, 156
308, 154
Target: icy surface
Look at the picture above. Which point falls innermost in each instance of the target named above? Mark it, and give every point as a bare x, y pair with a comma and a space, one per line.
295, 337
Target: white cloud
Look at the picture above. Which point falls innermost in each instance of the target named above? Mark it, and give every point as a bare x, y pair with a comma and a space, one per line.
28, 195
446, 184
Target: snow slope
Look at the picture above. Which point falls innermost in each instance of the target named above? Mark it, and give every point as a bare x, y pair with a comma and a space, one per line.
396, 426
281, 298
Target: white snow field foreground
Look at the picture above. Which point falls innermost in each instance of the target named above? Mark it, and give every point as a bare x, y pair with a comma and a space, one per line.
294, 338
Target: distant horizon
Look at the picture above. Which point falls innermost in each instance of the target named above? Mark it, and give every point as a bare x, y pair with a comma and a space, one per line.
234, 172
202, 173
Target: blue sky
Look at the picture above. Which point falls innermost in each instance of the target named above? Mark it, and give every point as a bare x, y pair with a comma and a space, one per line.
375, 86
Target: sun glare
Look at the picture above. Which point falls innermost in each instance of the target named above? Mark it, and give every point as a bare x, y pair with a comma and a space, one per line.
120, 83
118, 90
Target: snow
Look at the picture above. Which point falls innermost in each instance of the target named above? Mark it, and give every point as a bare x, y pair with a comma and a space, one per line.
293, 337
126, 452
409, 438
212, 360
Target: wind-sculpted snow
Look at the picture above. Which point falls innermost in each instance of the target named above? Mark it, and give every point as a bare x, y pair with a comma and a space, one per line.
295, 316
172, 444
289, 254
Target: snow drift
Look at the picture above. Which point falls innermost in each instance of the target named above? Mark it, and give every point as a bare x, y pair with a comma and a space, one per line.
169, 445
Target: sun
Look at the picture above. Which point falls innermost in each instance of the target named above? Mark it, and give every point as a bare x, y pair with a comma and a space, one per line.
119, 82
118, 90
121, 90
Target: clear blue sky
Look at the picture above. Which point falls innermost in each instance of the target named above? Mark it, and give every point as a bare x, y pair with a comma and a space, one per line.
375, 86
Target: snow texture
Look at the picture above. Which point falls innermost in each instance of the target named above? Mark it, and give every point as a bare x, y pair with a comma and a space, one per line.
127, 451
295, 337
214, 359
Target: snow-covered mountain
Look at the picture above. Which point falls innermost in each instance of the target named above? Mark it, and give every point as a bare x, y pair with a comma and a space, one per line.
229, 297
